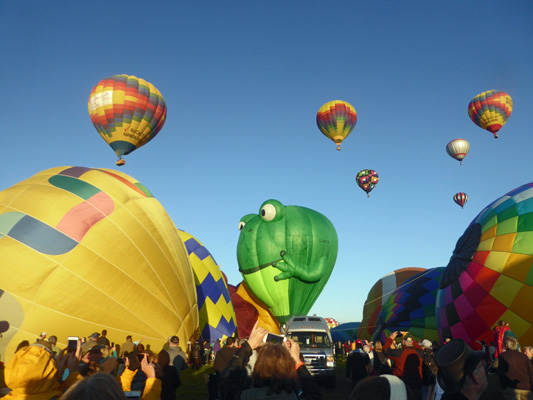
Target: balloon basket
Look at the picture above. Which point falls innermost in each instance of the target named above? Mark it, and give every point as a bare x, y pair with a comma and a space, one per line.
338, 147
120, 162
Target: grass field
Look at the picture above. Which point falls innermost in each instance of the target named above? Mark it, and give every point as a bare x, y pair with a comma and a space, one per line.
194, 385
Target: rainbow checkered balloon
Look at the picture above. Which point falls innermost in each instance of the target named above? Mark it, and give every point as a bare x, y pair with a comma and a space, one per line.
490, 110
490, 274
336, 120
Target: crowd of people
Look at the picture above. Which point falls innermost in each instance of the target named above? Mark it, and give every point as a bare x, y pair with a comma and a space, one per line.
401, 368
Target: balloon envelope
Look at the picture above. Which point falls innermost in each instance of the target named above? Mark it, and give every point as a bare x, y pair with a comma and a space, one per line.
460, 199
336, 120
458, 149
378, 295
86, 249
286, 255
490, 275
490, 110
367, 179
217, 317
127, 111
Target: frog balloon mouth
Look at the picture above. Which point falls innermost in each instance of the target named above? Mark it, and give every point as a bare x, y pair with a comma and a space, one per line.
258, 268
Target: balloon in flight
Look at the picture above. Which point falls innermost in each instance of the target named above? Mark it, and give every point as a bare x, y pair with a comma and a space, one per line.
127, 111
367, 179
460, 199
86, 249
490, 110
336, 120
458, 149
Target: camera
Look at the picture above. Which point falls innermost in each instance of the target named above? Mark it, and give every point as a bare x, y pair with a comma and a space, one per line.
273, 338
133, 395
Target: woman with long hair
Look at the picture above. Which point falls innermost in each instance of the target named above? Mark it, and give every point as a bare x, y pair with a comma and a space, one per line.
278, 372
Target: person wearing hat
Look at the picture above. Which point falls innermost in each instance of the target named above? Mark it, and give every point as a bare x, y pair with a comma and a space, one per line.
461, 371
92, 341
407, 361
178, 358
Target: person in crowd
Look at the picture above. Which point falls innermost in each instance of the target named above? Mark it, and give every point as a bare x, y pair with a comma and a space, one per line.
42, 336
461, 373
92, 341
222, 358
407, 361
207, 352
127, 347
152, 385
358, 364
53, 341
170, 379
196, 360
515, 372
22, 344
382, 365
178, 358
384, 387
278, 372
429, 369
501, 332
98, 386
103, 340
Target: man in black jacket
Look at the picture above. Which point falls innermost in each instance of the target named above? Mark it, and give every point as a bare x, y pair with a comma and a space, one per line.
515, 371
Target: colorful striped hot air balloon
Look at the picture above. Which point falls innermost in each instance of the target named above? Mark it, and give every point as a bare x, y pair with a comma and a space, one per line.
490, 110
458, 149
127, 111
336, 120
460, 198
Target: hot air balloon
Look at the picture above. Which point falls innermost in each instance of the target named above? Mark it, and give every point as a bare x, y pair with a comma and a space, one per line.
217, 317
411, 307
86, 249
458, 149
286, 255
127, 111
336, 120
490, 110
490, 275
378, 295
460, 198
367, 179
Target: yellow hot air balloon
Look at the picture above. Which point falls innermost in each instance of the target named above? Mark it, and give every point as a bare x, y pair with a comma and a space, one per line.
127, 111
458, 149
85, 249
336, 120
490, 110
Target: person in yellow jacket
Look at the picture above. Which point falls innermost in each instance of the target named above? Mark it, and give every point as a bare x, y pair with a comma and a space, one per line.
32, 374
152, 388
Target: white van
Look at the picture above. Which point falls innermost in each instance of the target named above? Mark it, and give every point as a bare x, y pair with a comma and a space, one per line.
313, 335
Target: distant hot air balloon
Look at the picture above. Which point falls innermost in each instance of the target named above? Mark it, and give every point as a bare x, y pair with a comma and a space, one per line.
490, 110
460, 198
127, 111
458, 149
336, 119
367, 179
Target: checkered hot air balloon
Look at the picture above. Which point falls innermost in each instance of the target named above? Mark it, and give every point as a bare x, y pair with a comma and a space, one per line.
336, 120
367, 179
490, 274
490, 110
127, 112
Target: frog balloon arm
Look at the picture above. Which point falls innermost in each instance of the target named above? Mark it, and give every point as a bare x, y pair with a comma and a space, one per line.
289, 269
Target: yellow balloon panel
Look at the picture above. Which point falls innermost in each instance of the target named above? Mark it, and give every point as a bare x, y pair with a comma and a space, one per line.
87, 249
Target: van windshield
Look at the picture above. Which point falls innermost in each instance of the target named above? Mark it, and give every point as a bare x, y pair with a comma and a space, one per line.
310, 339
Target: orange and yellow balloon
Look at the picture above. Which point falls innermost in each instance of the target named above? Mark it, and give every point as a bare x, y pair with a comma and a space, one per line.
127, 111
490, 110
336, 120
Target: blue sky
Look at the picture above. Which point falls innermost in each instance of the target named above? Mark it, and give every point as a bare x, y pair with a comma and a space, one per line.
243, 81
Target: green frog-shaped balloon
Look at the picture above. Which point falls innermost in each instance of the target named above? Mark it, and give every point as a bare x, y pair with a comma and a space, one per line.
286, 255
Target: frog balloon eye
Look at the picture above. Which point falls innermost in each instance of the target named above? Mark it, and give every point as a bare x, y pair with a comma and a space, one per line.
268, 212
241, 225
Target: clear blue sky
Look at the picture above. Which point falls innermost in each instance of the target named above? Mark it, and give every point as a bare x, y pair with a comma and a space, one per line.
243, 81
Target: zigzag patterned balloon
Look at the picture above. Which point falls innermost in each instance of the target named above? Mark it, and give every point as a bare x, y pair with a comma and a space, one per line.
217, 316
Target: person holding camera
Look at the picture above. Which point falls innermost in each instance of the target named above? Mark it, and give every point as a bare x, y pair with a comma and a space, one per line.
278, 372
